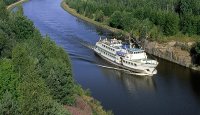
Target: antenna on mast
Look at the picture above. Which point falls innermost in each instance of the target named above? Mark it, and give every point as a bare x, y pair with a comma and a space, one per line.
130, 43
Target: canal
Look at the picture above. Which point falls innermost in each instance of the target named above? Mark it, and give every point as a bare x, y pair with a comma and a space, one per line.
175, 90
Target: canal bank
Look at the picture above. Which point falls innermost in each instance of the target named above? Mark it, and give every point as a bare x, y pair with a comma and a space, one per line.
101, 25
10, 7
173, 51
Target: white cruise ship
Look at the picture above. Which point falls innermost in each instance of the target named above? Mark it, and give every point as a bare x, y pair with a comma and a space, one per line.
132, 59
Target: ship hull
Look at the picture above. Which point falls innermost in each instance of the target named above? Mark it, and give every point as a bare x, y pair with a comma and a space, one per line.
132, 70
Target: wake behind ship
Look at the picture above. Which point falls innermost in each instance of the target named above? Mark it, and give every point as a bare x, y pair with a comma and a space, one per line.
131, 58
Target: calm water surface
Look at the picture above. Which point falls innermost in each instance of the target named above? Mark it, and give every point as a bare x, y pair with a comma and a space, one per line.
175, 90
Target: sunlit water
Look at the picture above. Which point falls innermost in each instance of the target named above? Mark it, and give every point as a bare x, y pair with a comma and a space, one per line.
175, 90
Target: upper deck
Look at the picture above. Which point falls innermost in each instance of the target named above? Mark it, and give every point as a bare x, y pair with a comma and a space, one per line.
135, 50
111, 42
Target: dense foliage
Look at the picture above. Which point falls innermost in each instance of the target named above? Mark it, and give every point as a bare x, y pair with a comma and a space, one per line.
35, 74
8, 2
149, 18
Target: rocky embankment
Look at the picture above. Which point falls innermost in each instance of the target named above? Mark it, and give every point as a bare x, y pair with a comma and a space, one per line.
177, 52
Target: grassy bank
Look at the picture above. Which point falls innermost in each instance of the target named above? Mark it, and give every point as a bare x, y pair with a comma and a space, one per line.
10, 7
101, 25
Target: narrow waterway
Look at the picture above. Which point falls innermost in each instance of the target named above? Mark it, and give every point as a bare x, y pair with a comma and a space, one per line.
175, 90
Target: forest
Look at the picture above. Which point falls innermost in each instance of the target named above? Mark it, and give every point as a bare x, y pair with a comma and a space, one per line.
35, 74
144, 18
147, 19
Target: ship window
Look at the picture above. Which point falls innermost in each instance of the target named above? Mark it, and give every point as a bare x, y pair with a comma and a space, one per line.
148, 70
135, 64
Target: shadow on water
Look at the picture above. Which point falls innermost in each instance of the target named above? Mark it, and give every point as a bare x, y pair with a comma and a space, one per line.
195, 82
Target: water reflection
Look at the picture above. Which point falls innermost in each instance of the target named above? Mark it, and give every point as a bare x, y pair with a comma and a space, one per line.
137, 83
132, 83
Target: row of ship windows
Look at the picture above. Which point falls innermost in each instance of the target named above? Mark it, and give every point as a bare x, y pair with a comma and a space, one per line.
136, 52
108, 47
107, 53
130, 63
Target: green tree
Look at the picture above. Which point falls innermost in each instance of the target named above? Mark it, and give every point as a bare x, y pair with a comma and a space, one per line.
8, 79
8, 104
99, 16
116, 20
8, 2
3, 12
56, 70
171, 26
23, 28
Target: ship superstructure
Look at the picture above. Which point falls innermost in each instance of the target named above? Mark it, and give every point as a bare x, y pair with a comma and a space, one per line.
130, 58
